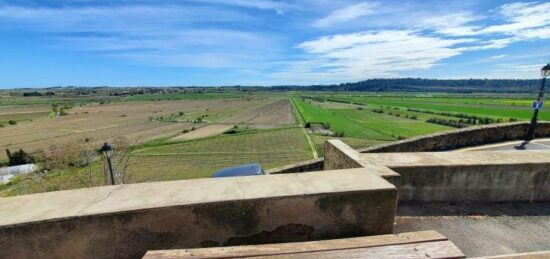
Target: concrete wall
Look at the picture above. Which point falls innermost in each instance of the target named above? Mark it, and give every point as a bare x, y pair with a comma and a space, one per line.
480, 176
338, 155
126, 221
453, 139
481, 183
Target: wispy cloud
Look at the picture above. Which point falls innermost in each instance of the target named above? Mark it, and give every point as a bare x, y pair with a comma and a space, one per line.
278, 6
415, 46
347, 14
371, 54
155, 35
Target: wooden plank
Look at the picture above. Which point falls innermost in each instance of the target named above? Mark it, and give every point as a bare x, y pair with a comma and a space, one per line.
533, 255
288, 248
432, 250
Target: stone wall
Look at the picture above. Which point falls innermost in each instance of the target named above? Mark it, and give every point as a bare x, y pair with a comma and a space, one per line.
126, 221
305, 166
453, 139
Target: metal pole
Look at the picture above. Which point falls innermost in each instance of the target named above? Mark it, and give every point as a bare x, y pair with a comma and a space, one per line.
111, 170
531, 133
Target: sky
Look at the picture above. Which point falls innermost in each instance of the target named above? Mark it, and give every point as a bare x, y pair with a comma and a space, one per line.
47, 43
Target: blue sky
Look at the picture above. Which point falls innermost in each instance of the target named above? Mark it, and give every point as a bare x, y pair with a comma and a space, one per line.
266, 42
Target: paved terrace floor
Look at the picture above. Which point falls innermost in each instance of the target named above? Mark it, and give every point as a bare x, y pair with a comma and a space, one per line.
481, 229
537, 144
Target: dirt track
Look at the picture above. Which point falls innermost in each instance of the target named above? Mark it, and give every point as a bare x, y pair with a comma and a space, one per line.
207, 131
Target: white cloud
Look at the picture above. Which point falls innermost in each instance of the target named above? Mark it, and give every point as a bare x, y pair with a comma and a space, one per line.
279, 7
361, 55
498, 56
115, 18
455, 24
414, 46
520, 16
154, 35
346, 14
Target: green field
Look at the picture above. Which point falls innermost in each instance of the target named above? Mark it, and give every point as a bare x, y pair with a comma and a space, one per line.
162, 160
483, 106
355, 123
201, 158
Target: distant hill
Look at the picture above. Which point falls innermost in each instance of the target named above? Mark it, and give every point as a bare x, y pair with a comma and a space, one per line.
370, 85
428, 85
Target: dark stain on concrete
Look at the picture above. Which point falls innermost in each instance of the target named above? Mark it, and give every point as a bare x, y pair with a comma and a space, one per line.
366, 211
241, 216
286, 233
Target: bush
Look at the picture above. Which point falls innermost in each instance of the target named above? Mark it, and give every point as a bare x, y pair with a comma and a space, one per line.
12, 122
339, 134
413, 117
308, 125
19, 158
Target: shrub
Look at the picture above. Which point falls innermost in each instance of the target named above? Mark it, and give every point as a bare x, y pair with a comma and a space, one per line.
19, 158
12, 122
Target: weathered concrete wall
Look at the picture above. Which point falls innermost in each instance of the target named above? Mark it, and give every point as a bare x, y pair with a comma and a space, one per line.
453, 139
482, 183
305, 166
126, 221
481, 176
338, 155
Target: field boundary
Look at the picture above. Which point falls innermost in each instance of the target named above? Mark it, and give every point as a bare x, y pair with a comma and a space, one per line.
302, 124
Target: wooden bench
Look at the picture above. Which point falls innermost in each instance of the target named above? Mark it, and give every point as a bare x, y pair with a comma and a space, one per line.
423, 244
533, 255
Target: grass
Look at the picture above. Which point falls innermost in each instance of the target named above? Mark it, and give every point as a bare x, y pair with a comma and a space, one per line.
161, 160
364, 124
20, 117
491, 107
319, 142
201, 158
181, 96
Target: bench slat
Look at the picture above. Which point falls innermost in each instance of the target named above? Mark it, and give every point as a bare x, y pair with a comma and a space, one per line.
300, 247
439, 249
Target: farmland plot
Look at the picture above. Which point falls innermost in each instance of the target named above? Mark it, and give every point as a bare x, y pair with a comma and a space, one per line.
137, 121
365, 124
201, 158
274, 114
